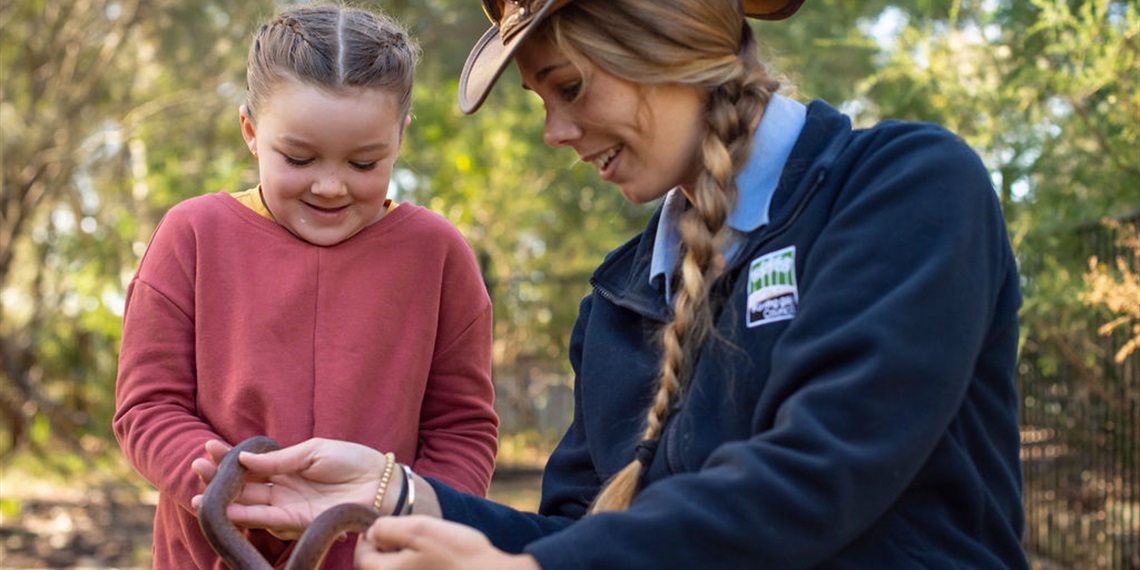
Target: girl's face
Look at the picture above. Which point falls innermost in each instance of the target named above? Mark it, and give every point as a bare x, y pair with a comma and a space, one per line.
645, 139
325, 158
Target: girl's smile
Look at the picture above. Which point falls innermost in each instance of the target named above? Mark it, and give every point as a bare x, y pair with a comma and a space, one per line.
325, 157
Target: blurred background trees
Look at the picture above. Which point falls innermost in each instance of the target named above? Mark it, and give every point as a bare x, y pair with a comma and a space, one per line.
114, 110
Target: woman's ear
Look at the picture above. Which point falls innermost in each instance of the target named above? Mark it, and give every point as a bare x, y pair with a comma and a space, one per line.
248, 129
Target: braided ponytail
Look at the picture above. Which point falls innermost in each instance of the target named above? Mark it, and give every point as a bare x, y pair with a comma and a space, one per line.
739, 89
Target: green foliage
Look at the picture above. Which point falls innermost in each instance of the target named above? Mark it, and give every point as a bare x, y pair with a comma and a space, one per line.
1049, 93
822, 51
10, 508
526, 448
141, 113
114, 110
110, 114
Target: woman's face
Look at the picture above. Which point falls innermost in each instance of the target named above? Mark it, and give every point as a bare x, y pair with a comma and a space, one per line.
645, 139
325, 158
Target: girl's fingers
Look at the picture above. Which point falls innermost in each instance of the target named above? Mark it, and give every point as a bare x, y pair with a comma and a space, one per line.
205, 469
217, 449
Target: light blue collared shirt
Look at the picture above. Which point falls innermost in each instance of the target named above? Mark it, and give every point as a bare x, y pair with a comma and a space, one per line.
777, 133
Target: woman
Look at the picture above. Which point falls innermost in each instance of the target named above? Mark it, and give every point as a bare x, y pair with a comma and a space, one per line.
804, 361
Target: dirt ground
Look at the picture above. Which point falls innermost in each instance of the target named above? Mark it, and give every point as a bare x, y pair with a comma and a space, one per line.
56, 526
102, 528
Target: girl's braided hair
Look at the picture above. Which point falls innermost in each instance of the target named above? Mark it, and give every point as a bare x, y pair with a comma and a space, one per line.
333, 47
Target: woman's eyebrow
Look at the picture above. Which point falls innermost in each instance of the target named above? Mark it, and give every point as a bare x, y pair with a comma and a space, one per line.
542, 73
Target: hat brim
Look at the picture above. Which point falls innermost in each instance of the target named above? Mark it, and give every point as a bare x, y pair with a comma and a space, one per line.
484, 65
490, 56
771, 9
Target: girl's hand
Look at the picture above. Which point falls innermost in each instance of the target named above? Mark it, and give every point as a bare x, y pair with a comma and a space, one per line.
426, 543
285, 490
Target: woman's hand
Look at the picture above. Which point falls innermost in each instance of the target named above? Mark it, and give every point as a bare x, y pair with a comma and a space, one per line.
285, 490
426, 543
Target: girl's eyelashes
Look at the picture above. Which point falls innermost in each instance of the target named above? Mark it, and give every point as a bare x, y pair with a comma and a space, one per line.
362, 166
297, 161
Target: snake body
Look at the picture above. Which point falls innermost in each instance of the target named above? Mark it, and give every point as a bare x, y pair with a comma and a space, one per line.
232, 546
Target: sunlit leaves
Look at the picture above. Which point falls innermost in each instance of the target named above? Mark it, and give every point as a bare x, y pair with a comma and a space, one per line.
112, 111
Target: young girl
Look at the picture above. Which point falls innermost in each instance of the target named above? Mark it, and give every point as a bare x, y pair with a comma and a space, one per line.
311, 305
806, 360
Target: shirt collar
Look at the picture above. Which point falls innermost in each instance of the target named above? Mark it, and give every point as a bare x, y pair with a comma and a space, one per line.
771, 145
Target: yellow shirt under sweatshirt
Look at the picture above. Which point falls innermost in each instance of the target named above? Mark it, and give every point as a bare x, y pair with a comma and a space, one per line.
252, 200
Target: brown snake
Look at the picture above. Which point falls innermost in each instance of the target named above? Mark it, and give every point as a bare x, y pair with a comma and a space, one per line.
232, 546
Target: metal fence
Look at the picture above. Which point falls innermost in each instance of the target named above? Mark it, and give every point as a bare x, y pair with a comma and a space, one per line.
1080, 415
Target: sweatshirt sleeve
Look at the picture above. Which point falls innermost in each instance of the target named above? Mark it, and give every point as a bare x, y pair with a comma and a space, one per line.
897, 293
155, 420
569, 483
458, 435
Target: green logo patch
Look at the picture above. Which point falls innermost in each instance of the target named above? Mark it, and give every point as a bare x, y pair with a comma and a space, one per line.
772, 292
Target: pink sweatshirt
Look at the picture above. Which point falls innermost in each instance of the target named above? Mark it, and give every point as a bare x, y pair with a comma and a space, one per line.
234, 327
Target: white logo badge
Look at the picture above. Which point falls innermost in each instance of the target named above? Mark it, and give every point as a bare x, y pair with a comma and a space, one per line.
772, 292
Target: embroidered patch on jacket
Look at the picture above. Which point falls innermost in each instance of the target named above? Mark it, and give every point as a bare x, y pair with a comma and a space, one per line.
772, 292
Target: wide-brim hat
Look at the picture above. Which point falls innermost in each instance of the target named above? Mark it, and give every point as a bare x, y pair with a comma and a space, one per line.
513, 21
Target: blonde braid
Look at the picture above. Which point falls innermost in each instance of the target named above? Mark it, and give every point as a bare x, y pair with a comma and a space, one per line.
726, 146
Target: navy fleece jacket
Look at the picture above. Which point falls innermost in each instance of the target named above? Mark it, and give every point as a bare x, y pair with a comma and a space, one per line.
858, 408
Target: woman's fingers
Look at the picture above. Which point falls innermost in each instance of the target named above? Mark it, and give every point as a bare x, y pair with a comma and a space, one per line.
388, 546
427, 542
253, 492
420, 542
390, 534
287, 460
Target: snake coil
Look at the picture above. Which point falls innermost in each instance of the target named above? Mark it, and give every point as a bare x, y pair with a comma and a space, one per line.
236, 551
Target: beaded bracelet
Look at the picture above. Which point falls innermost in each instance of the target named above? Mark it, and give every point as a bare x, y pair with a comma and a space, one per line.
410, 483
389, 466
